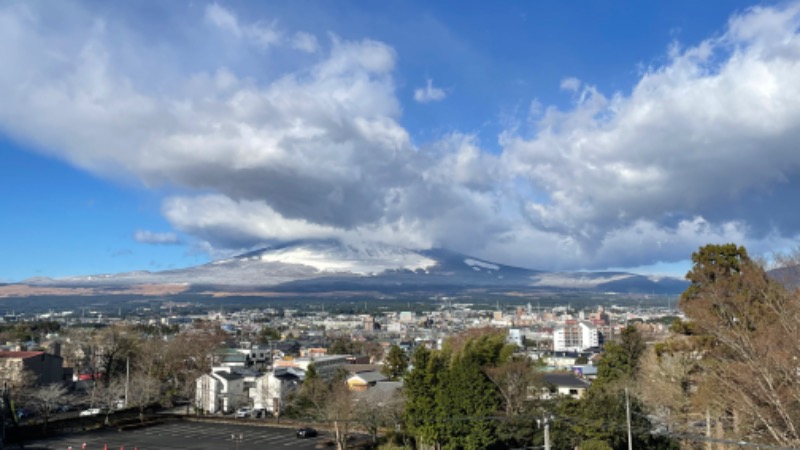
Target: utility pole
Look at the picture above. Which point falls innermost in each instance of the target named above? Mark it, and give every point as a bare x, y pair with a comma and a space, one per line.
546, 434
127, 378
545, 423
628, 414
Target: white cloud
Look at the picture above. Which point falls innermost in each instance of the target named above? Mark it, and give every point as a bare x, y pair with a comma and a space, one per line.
151, 237
245, 223
702, 149
261, 34
223, 19
709, 132
306, 42
264, 35
570, 84
429, 93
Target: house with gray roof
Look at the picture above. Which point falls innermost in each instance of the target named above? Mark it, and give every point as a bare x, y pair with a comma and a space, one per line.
223, 390
563, 384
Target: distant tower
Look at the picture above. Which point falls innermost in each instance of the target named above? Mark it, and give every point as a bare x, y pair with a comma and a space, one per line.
369, 323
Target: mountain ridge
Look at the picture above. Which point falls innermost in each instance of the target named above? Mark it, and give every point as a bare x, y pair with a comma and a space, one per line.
317, 265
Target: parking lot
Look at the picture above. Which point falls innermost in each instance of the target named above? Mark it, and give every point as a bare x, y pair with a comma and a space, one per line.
183, 435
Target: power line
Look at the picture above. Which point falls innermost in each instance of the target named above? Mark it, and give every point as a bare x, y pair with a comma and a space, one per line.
696, 438
699, 438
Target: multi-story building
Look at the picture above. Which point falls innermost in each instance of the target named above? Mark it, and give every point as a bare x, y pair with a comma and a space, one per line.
222, 390
515, 337
31, 368
270, 391
574, 336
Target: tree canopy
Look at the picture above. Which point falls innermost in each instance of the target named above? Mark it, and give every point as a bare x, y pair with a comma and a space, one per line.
734, 356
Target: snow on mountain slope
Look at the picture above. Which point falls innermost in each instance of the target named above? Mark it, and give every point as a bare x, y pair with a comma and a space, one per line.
332, 257
481, 264
577, 280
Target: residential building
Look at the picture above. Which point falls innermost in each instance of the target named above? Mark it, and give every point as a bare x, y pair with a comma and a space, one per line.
37, 368
326, 366
362, 381
222, 390
272, 389
563, 384
515, 337
575, 336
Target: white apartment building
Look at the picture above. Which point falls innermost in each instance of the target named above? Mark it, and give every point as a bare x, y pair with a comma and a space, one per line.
220, 391
270, 391
575, 337
515, 337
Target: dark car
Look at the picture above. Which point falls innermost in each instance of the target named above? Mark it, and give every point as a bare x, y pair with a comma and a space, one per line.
306, 433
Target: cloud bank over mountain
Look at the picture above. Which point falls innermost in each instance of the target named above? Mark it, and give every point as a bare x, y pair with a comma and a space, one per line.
701, 149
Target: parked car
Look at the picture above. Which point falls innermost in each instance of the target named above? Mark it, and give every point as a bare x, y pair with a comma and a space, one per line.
244, 412
306, 432
89, 412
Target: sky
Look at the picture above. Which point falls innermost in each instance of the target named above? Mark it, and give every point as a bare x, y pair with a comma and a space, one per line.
581, 135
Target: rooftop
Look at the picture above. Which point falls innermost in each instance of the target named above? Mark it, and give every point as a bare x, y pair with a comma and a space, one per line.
23, 355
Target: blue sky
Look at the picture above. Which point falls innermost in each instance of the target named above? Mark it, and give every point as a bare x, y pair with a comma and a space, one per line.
552, 135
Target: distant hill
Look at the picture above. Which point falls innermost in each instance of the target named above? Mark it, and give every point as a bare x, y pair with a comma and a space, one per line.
788, 276
320, 265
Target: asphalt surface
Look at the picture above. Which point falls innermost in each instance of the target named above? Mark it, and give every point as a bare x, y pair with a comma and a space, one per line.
183, 435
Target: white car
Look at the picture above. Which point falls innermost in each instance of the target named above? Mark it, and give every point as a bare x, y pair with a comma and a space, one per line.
244, 412
89, 412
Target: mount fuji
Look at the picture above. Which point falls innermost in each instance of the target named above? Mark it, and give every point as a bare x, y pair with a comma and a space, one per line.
330, 265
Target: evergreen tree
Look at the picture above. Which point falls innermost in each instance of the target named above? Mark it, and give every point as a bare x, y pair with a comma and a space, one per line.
468, 399
421, 386
620, 360
451, 401
396, 363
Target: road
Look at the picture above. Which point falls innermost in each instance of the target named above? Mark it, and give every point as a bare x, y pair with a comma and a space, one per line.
183, 435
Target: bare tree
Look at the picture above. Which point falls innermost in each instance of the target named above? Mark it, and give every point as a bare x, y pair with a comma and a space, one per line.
144, 391
377, 409
190, 355
113, 347
339, 410
669, 374
752, 359
107, 397
515, 380
45, 400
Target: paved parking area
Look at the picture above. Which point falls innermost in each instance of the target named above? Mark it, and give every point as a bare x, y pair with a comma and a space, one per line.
183, 435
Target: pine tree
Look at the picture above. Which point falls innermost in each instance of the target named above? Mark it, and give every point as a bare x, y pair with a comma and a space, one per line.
396, 363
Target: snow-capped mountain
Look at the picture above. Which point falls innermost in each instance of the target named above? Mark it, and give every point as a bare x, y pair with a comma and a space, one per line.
333, 257
320, 265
